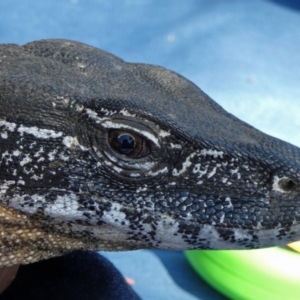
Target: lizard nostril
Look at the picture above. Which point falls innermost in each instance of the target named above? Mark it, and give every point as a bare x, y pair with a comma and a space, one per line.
287, 185
283, 184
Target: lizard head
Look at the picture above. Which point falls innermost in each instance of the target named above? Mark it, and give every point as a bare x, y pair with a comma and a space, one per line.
97, 153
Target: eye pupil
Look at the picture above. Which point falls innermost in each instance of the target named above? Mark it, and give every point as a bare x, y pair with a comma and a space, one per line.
126, 143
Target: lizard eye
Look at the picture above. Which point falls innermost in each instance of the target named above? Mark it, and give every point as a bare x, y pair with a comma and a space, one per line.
129, 144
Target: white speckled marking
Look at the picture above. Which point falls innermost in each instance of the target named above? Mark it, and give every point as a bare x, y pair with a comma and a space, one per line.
164, 170
163, 133
4, 135
236, 171
94, 116
39, 132
214, 153
25, 160
175, 146
7, 127
212, 173
185, 165
143, 188
126, 113
135, 175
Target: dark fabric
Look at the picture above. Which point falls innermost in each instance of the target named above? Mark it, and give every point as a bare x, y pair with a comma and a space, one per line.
80, 275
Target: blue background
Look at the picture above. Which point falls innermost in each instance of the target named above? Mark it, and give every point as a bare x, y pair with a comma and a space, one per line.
243, 53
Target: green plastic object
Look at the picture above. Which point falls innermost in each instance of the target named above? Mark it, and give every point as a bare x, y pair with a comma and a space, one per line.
265, 274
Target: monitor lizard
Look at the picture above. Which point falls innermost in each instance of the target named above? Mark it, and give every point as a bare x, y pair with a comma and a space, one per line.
100, 154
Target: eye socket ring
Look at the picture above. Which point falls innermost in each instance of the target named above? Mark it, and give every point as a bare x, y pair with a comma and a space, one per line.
128, 144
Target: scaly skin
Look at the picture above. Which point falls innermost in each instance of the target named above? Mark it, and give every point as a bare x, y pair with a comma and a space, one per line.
191, 175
